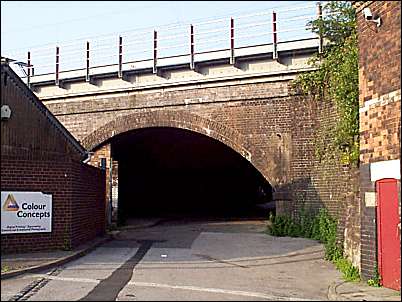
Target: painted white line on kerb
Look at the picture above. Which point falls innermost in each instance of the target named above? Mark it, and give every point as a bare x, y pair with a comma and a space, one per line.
219, 291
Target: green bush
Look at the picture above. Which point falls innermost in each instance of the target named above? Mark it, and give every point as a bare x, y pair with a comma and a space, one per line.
284, 226
336, 79
350, 273
279, 225
321, 227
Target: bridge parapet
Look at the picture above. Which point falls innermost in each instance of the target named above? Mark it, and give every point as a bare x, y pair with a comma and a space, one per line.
271, 42
255, 64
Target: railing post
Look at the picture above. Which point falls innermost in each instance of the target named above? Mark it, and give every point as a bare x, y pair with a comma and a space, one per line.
155, 51
87, 74
120, 74
191, 47
275, 37
232, 56
29, 70
319, 15
57, 65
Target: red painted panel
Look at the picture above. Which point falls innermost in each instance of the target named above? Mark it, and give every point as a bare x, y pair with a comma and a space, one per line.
389, 248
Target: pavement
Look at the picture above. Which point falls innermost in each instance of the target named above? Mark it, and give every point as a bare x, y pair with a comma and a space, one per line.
19, 264
360, 291
13, 265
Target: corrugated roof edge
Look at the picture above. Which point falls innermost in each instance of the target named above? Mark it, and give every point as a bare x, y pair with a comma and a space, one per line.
42, 108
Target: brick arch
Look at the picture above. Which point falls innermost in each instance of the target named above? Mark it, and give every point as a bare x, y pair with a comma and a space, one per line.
182, 120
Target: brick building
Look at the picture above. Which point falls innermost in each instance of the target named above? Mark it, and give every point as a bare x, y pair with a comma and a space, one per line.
39, 155
379, 38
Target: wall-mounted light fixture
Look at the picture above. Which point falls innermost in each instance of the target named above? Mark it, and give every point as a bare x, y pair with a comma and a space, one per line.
368, 15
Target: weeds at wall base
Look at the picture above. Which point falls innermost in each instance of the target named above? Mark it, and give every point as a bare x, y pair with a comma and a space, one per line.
4, 268
321, 227
376, 280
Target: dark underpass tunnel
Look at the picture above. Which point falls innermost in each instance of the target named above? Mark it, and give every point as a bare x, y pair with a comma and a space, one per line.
170, 172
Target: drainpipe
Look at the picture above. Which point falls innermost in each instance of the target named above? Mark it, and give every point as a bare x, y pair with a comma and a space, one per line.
110, 191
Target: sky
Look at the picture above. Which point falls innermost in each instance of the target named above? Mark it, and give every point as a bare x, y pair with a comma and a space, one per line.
33, 24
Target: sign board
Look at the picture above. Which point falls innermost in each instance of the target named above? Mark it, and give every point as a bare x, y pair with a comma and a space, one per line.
369, 199
26, 212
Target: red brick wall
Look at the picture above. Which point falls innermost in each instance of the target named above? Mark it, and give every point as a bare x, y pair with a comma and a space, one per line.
380, 105
380, 82
379, 50
78, 200
88, 203
322, 182
30, 132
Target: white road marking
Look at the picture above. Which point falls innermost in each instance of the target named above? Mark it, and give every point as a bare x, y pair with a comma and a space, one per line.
182, 287
86, 280
218, 290
242, 259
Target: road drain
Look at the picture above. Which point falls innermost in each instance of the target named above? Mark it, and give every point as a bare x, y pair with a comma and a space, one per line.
32, 288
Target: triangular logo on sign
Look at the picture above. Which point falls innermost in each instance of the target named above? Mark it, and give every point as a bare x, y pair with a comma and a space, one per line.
10, 204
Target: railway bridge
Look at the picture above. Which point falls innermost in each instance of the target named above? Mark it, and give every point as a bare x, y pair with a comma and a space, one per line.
198, 128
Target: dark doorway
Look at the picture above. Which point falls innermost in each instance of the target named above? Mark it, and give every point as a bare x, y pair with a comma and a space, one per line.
171, 173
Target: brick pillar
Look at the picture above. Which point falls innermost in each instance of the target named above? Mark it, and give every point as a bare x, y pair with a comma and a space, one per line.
283, 202
368, 224
104, 153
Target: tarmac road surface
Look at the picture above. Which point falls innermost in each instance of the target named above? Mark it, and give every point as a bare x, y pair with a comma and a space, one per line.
187, 260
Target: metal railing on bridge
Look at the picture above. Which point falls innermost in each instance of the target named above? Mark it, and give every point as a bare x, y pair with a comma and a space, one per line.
262, 28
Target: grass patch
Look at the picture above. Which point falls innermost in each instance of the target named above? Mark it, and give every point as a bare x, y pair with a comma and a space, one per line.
5, 268
321, 227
